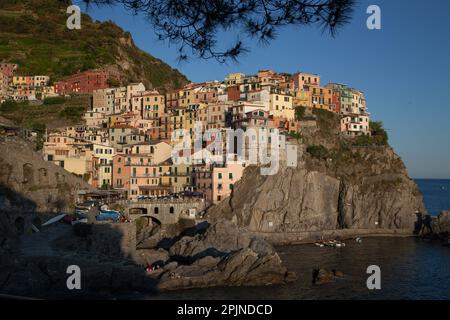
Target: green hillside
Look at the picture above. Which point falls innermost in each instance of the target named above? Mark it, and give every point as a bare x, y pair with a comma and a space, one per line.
33, 33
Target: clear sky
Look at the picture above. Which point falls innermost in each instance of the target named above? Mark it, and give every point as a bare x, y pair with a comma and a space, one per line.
404, 69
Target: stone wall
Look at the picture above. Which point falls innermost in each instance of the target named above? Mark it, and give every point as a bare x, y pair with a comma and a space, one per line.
166, 212
31, 187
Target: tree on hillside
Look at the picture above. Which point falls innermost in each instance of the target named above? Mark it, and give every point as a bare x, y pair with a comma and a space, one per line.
196, 24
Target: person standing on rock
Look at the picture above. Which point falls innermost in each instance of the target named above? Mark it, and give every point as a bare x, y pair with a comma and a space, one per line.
427, 224
418, 223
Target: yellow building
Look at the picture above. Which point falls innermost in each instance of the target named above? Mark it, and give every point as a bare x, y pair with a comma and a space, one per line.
281, 105
148, 104
234, 78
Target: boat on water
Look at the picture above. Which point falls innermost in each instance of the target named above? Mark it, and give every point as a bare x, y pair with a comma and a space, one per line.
330, 243
319, 244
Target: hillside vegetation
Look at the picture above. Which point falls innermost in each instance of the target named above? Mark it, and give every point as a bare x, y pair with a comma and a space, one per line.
52, 113
33, 33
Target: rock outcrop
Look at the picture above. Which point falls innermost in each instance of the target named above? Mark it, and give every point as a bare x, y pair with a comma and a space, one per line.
224, 255
220, 254
323, 276
441, 225
352, 188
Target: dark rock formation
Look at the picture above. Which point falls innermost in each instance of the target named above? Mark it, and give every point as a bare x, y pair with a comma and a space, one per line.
353, 188
441, 224
224, 255
323, 276
220, 254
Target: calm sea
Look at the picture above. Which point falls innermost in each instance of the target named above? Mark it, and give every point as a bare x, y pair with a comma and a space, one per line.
436, 194
410, 268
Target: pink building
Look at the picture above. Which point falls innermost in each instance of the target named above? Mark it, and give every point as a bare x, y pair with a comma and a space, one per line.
217, 182
133, 173
8, 69
223, 180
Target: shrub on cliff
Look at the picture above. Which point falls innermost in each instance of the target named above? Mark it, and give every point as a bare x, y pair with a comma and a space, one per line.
299, 113
379, 133
328, 123
8, 106
379, 136
73, 113
295, 135
54, 100
319, 152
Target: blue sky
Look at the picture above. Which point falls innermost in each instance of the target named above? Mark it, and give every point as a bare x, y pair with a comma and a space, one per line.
404, 69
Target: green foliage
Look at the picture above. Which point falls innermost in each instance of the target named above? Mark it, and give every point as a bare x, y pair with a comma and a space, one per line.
295, 135
86, 177
33, 34
8, 106
299, 113
106, 187
72, 113
379, 132
379, 136
54, 100
113, 83
328, 123
319, 152
47, 115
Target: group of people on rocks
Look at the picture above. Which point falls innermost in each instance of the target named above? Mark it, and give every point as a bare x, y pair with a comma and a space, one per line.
423, 224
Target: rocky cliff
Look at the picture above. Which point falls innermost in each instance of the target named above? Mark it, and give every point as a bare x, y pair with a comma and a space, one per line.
345, 186
31, 187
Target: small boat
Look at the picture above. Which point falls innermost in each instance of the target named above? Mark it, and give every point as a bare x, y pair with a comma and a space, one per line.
77, 221
330, 243
54, 219
319, 244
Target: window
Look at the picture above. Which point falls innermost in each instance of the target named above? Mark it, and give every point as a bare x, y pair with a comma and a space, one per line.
230, 175
156, 210
219, 175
